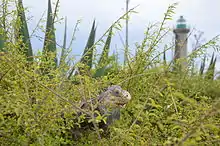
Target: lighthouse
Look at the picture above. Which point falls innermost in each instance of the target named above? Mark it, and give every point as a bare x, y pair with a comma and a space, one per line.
181, 31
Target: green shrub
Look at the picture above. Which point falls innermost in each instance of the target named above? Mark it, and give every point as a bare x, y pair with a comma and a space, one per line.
167, 107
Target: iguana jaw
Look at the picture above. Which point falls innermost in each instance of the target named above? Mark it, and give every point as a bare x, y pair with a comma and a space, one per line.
124, 99
121, 105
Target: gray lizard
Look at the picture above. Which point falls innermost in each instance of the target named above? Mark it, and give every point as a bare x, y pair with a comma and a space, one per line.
109, 102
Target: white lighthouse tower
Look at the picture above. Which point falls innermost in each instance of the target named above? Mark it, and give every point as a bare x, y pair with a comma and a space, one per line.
181, 38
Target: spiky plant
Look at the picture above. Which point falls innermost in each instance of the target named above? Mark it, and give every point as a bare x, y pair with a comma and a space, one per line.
104, 59
23, 33
63, 51
104, 56
3, 24
164, 58
1, 40
211, 69
202, 67
87, 56
50, 39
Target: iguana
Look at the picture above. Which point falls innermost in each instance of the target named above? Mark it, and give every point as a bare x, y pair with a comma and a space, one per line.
107, 103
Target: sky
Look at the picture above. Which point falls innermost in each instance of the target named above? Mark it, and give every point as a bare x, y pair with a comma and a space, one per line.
200, 14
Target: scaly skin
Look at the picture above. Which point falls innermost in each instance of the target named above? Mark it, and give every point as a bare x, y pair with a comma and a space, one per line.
109, 102
113, 97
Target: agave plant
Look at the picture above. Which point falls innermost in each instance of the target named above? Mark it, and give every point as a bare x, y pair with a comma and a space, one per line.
63, 52
211, 69
1, 40
87, 58
164, 57
202, 67
104, 56
49, 58
104, 59
50, 39
88, 51
3, 25
22, 32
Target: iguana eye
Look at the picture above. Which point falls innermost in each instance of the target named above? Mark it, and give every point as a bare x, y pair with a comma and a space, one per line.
117, 92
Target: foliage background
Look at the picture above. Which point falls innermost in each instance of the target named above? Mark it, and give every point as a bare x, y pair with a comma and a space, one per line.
168, 107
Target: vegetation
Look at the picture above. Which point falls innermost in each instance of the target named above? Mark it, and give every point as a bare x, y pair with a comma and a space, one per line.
168, 107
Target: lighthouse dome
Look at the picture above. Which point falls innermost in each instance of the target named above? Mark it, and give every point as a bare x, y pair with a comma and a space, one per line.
181, 23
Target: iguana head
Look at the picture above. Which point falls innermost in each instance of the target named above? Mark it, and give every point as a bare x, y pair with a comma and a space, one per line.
114, 96
109, 102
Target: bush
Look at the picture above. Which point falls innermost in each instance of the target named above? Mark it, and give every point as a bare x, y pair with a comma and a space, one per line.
39, 101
